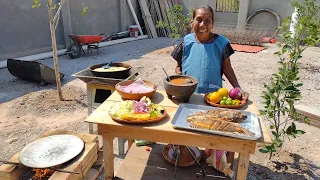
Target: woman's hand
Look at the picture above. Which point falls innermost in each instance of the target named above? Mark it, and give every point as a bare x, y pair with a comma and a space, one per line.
244, 94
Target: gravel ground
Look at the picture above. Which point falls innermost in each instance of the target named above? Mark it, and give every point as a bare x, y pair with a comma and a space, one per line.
29, 109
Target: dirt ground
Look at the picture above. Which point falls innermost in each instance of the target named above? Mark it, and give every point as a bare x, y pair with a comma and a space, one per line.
28, 109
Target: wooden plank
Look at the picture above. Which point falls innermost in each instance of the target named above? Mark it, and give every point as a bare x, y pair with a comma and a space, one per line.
92, 175
152, 165
164, 16
167, 8
159, 15
230, 159
243, 165
108, 156
130, 142
80, 164
99, 161
144, 8
312, 113
75, 167
173, 137
85, 169
135, 17
9, 171
89, 151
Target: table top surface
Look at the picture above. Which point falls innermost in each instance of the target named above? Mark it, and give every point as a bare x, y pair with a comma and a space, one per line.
101, 115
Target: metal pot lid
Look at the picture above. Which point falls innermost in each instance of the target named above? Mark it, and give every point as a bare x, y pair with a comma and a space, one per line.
51, 151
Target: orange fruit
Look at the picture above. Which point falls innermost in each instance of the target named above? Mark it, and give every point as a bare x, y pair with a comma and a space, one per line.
215, 97
223, 92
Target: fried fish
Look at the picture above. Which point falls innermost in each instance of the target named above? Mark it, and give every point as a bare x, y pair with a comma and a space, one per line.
222, 114
219, 120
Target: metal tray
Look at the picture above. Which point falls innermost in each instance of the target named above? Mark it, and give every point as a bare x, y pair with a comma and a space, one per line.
179, 120
87, 77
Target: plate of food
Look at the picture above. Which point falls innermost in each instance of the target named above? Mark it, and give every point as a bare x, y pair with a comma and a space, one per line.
225, 99
142, 111
221, 121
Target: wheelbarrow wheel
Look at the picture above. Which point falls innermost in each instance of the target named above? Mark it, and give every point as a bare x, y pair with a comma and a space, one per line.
74, 50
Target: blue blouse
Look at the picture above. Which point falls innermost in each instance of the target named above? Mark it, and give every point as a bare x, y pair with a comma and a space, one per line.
203, 61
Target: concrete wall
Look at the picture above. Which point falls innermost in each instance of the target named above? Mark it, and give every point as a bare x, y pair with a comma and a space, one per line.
102, 16
218, 16
281, 7
24, 30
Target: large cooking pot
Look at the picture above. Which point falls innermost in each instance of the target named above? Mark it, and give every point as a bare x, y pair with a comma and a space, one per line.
123, 74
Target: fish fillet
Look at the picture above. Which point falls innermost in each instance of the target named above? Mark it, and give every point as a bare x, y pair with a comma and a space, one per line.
222, 114
219, 120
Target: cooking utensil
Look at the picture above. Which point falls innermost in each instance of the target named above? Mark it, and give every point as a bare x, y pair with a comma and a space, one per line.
121, 74
108, 65
202, 170
51, 151
176, 156
55, 169
166, 74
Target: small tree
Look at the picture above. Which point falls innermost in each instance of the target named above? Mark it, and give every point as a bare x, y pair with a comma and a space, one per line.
54, 16
179, 24
283, 91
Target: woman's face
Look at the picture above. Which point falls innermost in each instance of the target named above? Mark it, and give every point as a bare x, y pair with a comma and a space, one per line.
202, 23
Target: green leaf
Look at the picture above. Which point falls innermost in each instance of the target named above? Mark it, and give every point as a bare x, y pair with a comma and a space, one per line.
264, 150
277, 142
269, 147
84, 10
307, 120
293, 127
289, 131
272, 127
300, 132
34, 6
274, 134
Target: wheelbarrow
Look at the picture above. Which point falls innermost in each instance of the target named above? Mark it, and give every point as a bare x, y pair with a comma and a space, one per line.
32, 71
75, 49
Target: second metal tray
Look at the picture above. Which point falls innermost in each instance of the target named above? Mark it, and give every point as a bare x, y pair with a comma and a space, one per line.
179, 120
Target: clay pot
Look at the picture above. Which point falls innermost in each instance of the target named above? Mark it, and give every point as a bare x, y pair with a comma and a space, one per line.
185, 159
180, 91
135, 96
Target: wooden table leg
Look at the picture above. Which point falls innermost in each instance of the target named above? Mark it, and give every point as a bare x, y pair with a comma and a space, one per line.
108, 156
89, 101
130, 142
243, 164
230, 159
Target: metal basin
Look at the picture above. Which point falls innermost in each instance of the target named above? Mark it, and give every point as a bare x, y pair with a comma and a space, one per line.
115, 74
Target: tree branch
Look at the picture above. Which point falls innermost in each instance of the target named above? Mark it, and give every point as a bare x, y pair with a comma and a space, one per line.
57, 22
56, 16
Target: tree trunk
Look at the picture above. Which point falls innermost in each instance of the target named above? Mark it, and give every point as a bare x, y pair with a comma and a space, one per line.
54, 48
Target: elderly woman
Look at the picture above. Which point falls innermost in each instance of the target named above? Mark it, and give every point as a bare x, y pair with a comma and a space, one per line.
205, 55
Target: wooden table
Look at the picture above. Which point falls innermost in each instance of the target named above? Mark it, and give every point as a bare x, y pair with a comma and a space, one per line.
164, 132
